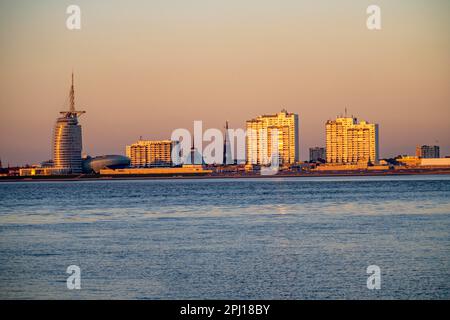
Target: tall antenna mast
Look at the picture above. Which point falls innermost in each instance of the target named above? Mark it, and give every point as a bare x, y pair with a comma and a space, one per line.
225, 149
72, 97
72, 112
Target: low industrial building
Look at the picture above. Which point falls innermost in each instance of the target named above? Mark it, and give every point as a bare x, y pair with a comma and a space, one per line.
168, 171
341, 167
435, 162
414, 162
409, 161
43, 171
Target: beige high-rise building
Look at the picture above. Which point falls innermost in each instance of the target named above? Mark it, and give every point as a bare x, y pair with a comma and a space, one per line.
260, 133
351, 142
148, 153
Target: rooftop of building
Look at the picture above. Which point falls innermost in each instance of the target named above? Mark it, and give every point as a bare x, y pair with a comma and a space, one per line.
145, 142
282, 112
352, 119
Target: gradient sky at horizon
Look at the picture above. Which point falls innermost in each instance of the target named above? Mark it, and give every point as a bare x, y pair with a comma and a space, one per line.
145, 68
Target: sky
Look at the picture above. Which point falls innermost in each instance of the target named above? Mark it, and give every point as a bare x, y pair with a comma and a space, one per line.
145, 68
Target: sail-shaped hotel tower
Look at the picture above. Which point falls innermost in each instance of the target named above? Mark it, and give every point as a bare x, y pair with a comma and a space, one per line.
67, 139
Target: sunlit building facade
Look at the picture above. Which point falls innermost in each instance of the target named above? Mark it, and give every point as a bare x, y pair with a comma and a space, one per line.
149, 153
67, 139
261, 144
348, 141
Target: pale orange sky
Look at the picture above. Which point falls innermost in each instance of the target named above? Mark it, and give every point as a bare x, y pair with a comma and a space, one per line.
144, 68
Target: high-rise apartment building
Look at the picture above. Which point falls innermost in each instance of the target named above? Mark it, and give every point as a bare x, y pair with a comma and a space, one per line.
351, 142
427, 151
148, 153
67, 139
317, 153
271, 134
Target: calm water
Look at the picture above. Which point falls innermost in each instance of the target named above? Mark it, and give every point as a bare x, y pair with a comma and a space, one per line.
293, 238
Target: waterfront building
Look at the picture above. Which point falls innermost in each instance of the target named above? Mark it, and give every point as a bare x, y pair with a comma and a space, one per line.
173, 171
317, 154
348, 141
427, 151
260, 143
148, 153
67, 139
361, 166
111, 161
41, 171
408, 161
435, 162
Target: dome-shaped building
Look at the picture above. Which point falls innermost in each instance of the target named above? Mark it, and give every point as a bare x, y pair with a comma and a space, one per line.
103, 162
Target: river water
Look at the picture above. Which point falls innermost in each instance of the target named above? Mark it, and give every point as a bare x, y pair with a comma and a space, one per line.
268, 238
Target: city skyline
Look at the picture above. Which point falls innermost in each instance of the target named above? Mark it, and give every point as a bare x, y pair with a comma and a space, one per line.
283, 111
140, 64
224, 158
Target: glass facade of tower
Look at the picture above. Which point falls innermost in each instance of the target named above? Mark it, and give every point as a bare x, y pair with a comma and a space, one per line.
67, 144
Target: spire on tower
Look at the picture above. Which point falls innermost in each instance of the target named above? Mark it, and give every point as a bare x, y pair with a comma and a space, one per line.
72, 112
227, 154
72, 96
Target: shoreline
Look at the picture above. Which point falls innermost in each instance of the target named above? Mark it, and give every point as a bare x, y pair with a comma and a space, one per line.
407, 172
